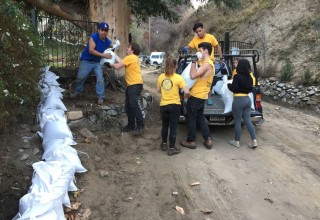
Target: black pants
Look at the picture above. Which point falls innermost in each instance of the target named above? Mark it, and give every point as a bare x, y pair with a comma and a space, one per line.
132, 107
170, 116
195, 109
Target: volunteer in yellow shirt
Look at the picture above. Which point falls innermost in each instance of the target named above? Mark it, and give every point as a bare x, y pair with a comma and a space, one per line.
169, 84
198, 96
134, 87
202, 36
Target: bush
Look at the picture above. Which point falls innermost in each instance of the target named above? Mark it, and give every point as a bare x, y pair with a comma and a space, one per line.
306, 80
286, 72
21, 57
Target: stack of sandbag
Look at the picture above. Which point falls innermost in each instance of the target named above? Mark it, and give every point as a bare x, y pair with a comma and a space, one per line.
52, 178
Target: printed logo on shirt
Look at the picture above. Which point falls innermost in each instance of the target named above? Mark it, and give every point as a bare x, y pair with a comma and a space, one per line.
167, 84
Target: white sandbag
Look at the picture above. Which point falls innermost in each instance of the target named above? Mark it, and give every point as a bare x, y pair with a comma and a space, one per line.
52, 102
48, 191
217, 87
252, 101
186, 76
51, 145
227, 95
68, 155
111, 60
53, 115
56, 130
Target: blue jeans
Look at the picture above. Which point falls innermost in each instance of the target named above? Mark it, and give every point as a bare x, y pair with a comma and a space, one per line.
170, 117
195, 108
132, 107
84, 71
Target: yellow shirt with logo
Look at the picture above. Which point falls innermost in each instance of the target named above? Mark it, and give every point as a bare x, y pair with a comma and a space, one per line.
170, 86
133, 70
202, 87
207, 38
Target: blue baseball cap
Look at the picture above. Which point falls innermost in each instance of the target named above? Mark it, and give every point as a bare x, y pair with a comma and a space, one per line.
103, 25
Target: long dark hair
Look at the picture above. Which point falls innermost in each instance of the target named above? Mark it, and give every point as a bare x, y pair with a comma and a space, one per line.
171, 65
243, 67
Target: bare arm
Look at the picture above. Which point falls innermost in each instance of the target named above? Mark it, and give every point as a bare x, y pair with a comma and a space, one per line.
186, 91
219, 52
92, 50
119, 63
204, 70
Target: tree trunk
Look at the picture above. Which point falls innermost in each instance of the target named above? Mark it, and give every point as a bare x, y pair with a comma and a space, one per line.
117, 14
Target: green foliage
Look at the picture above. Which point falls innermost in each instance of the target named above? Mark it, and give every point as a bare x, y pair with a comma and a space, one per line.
232, 4
286, 72
21, 58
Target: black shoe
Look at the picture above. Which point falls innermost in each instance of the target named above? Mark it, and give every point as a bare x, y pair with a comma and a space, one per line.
127, 128
173, 151
138, 130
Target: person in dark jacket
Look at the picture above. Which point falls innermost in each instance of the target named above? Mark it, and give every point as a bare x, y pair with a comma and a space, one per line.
241, 86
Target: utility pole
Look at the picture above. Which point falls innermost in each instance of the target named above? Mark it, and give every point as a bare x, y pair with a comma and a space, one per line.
149, 21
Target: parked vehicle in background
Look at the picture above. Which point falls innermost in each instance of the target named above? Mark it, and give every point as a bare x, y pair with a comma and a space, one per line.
157, 58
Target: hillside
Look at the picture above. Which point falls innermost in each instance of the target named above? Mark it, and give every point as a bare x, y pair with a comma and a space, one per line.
283, 30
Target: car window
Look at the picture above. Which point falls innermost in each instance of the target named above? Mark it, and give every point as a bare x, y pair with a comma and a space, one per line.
155, 56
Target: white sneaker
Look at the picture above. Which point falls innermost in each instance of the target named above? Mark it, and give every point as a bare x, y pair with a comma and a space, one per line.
235, 143
254, 144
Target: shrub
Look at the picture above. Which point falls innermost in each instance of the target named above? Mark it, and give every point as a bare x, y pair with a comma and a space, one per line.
306, 80
21, 57
286, 72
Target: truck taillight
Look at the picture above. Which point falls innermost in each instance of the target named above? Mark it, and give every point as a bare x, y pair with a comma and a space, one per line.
258, 101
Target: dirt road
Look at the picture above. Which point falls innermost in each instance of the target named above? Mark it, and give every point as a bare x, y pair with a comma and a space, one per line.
278, 180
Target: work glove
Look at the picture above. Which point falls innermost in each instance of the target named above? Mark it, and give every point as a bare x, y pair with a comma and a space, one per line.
185, 50
107, 65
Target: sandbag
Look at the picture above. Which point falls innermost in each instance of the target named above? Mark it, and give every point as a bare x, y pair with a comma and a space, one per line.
53, 115
227, 95
68, 155
111, 60
52, 101
217, 87
52, 145
186, 76
56, 130
48, 191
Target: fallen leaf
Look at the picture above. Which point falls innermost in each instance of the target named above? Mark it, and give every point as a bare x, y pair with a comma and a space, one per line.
87, 140
75, 205
206, 211
195, 184
77, 193
180, 210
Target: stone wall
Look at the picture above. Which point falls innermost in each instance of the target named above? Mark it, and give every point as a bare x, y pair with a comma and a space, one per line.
294, 95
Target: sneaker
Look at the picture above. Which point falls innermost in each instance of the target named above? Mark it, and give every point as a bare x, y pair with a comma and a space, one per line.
254, 144
100, 101
127, 128
74, 95
190, 145
164, 146
235, 143
208, 143
173, 151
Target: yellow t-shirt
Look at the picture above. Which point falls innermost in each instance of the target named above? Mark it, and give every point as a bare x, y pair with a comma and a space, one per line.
201, 87
234, 72
207, 38
133, 71
169, 86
